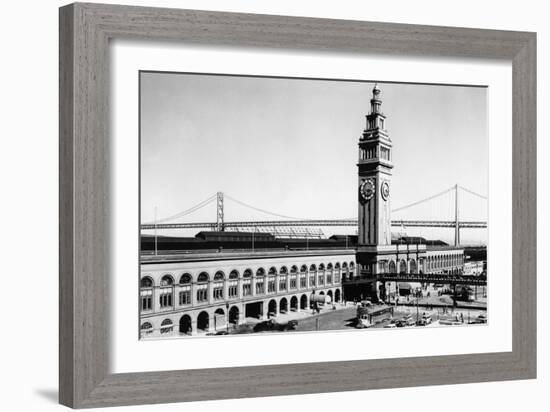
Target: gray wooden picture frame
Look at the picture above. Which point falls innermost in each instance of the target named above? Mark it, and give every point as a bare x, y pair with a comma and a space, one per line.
85, 31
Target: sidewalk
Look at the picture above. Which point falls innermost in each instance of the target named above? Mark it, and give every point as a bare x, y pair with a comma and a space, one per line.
307, 313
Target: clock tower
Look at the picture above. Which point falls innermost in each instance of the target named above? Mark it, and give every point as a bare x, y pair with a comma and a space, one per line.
374, 189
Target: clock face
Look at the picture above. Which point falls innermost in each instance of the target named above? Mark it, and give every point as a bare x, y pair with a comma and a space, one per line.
367, 189
385, 190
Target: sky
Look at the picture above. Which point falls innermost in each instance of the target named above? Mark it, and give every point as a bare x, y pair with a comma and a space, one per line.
289, 146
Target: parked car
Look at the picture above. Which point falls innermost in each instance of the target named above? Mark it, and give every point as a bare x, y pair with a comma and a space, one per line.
271, 325
219, 332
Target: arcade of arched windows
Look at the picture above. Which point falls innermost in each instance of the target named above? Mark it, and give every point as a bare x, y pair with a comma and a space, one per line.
450, 263
220, 317
190, 289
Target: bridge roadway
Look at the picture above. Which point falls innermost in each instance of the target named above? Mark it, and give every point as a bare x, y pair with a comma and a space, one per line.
441, 278
318, 223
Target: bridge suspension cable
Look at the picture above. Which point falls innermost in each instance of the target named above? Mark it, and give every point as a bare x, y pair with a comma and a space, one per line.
423, 200
185, 212
472, 192
260, 210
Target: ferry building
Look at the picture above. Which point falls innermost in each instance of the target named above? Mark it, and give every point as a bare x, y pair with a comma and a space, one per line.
214, 280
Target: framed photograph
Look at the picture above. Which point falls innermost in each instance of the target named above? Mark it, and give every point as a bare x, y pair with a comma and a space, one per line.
272, 197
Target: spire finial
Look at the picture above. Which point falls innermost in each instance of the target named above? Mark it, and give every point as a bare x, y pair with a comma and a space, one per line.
375, 91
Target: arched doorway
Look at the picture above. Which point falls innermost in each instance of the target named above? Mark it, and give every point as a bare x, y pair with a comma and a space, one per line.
272, 308
329, 293
219, 319
294, 303
283, 306
303, 302
337, 296
185, 325
234, 315
203, 321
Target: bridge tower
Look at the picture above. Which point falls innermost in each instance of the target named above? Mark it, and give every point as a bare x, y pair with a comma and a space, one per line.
374, 183
220, 227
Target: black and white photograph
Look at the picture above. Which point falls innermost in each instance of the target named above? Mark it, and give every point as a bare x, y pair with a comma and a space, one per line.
272, 205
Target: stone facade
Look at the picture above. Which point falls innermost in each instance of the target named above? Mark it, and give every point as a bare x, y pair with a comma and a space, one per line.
201, 293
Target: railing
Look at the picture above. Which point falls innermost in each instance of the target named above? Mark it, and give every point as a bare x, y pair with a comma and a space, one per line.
421, 278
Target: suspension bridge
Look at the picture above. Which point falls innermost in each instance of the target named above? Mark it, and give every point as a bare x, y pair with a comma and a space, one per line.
287, 226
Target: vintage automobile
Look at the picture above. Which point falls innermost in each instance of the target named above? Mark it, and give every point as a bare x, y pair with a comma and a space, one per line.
409, 321
271, 325
424, 320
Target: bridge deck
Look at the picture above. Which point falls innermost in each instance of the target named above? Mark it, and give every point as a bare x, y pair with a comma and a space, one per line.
316, 223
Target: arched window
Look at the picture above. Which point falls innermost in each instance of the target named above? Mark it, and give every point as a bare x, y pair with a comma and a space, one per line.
293, 278
217, 286
146, 293
412, 265
337, 272
321, 275
392, 267
233, 285
166, 326
282, 278
303, 276
185, 289
166, 291
272, 270
294, 269
247, 282
271, 280
329, 274
402, 266
146, 282
260, 278
185, 279
202, 287
312, 276
146, 329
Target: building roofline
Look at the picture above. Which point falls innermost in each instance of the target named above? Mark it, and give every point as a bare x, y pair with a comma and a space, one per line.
178, 256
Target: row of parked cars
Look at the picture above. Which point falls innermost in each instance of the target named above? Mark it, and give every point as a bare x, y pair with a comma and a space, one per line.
409, 321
